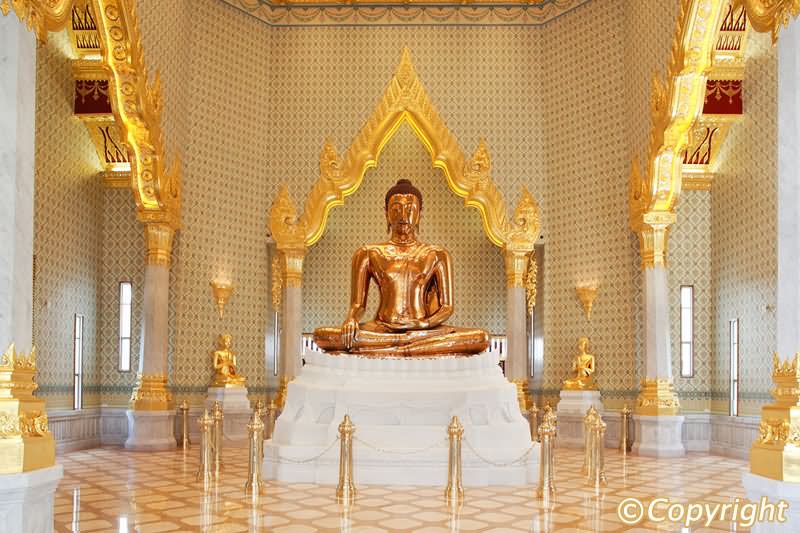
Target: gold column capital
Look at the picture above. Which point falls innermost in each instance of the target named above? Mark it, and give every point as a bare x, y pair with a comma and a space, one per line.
158, 240
657, 398
776, 451
25, 441
516, 266
293, 266
653, 240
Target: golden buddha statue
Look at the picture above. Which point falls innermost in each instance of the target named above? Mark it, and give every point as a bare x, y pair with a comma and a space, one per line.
225, 374
416, 293
583, 366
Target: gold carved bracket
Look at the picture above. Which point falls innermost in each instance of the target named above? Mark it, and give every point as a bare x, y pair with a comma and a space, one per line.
137, 105
41, 16
406, 101
769, 15
675, 106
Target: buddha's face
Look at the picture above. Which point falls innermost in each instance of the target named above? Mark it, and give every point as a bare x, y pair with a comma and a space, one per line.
402, 213
583, 344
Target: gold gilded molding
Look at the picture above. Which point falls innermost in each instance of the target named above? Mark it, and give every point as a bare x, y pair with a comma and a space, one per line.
151, 393
158, 240
530, 284
41, 16
25, 440
776, 451
675, 105
769, 15
656, 398
277, 283
137, 105
404, 101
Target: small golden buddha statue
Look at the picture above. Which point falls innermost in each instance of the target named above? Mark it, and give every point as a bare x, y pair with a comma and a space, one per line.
416, 293
583, 366
225, 374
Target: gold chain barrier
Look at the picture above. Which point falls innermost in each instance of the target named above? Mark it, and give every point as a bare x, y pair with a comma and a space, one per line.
597, 475
184, 409
204, 472
454, 493
346, 490
217, 438
255, 428
624, 430
547, 433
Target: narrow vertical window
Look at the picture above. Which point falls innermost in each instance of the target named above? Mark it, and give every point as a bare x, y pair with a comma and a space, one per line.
687, 331
77, 361
125, 300
734, 350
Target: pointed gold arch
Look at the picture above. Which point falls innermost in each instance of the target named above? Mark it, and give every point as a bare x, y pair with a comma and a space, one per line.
406, 101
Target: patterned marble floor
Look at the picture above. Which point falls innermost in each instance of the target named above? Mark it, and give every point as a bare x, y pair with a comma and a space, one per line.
113, 490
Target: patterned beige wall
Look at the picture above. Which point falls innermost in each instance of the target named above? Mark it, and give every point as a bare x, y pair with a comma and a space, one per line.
743, 228
67, 243
690, 264
586, 235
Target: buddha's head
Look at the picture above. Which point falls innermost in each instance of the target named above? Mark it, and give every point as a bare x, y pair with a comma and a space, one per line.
583, 344
403, 205
224, 341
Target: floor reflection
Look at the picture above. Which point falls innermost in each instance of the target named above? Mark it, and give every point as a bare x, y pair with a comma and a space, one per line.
113, 490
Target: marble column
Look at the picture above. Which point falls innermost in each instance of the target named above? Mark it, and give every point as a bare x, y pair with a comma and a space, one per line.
291, 336
516, 365
659, 423
773, 467
17, 130
151, 415
30, 475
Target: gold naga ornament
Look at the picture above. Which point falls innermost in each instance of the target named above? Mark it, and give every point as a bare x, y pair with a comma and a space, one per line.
769, 15
25, 441
405, 101
41, 16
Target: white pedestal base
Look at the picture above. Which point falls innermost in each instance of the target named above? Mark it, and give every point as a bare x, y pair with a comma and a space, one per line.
26, 500
151, 430
757, 487
235, 410
401, 408
658, 436
571, 410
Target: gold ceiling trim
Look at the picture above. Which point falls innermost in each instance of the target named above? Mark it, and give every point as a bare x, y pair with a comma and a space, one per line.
770, 15
675, 106
405, 101
406, 13
137, 108
41, 16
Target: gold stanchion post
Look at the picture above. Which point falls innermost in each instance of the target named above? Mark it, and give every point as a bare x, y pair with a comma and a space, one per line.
454, 493
588, 440
624, 429
546, 486
533, 421
272, 413
549, 416
255, 428
597, 468
184, 408
217, 415
346, 490
204, 473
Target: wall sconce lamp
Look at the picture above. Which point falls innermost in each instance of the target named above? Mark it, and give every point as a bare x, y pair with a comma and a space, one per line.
586, 294
221, 290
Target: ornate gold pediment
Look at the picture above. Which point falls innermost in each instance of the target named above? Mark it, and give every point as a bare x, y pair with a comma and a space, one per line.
406, 101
